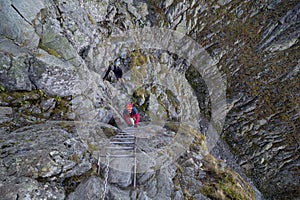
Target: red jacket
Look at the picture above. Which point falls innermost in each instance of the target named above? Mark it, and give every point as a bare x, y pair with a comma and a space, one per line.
134, 114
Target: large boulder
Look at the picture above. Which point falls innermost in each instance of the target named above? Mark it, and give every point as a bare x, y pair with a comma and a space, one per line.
17, 21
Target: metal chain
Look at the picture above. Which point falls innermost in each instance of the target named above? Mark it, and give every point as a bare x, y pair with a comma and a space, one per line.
106, 176
99, 167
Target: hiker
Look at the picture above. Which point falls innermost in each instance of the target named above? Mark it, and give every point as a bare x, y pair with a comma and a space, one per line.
131, 113
116, 68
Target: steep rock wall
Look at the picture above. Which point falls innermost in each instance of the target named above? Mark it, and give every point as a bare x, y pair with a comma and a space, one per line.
254, 43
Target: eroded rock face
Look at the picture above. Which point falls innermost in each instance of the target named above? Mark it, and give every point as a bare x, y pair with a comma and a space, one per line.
57, 48
59, 160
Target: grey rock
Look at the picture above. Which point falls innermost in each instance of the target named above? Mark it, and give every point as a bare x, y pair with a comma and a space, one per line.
273, 37
178, 195
13, 70
90, 189
55, 77
56, 46
273, 4
200, 197
5, 111
27, 188
223, 2
121, 178
165, 184
17, 21
48, 104
168, 3
143, 196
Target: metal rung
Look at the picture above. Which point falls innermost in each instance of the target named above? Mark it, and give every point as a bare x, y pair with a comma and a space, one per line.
123, 145
124, 148
122, 138
124, 134
122, 142
117, 156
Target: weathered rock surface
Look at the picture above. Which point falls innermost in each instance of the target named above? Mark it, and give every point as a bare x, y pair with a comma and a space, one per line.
52, 159
52, 59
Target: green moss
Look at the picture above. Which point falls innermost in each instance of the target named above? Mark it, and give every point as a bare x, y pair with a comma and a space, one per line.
172, 126
109, 132
137, 59
219, 182
66, 125
57, 99
23, 102
61, 108
224, 183
2, 89
71, 183
176, 183
41, 93
92, 147
74, 158
50, 51
207, 190
198, 143
187, 195
179, 169
172, 99
155, 9
141, 93
90, 18
19, 98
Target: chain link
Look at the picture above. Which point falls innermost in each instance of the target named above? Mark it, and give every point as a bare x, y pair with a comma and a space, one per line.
99, 165
106, 176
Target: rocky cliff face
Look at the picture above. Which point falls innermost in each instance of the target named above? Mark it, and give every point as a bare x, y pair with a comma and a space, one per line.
53, 57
